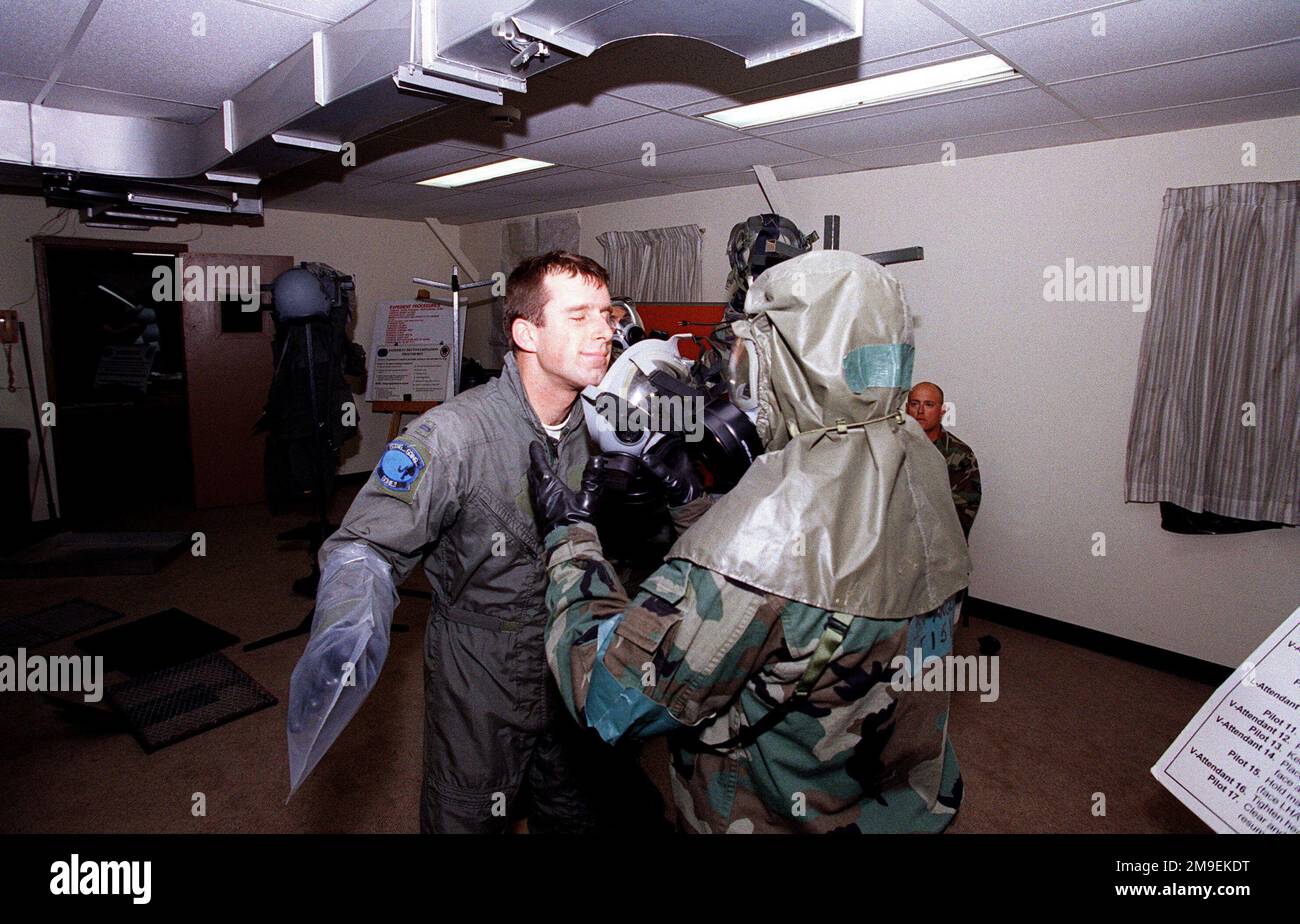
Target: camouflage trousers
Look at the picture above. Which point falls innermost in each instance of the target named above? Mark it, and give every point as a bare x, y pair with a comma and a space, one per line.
857, 757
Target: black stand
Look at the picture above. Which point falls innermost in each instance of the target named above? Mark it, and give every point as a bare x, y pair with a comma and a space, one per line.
319, 530
39, 431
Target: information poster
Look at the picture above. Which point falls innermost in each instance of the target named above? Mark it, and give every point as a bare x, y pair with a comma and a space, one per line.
1237, 764
412, 352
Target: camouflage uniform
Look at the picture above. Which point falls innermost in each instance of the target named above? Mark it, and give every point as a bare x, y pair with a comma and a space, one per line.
856, 756
963, 475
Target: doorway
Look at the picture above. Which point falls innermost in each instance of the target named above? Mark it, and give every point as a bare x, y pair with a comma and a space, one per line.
115, 371
156, 391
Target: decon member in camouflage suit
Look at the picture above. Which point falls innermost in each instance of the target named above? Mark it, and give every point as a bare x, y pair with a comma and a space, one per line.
768, 644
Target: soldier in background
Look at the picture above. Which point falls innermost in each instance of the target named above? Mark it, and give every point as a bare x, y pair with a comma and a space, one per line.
768, 644
925, 403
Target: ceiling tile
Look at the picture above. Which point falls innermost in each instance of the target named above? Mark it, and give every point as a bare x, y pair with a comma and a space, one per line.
1242, 73
982, 16
389, 200
645, 191
553, 183
1150, 32
979, 145
715, 158
627, 139
36, 33
996, 112
167, 60
717, 180
388, 158
901, 156
822, 166
1221, 112
302, 187
22, 89
893, 27
549, 108
62, 96
322, 10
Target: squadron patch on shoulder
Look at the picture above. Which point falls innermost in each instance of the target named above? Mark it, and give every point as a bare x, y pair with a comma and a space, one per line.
401, 468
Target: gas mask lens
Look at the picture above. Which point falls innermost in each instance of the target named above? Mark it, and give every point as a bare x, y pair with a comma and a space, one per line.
741, 377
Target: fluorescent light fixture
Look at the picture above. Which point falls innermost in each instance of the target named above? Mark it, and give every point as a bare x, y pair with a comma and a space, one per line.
249, 179
179, 202
311, 142
413, 79
921, 81
154, 217
486, 172
146, 253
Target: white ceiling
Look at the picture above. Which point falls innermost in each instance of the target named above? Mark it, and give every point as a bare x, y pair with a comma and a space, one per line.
1161, 65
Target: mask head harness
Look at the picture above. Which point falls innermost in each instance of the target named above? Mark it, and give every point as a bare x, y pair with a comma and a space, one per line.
757, 244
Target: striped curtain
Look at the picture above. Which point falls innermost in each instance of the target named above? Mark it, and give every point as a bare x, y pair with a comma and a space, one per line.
658, 265
1216, 411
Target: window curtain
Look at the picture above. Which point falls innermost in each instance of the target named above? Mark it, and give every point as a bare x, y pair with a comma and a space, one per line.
521, 239
1216, 412
658, 265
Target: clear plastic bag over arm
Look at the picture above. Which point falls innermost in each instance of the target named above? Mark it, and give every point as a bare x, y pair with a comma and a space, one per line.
347, 648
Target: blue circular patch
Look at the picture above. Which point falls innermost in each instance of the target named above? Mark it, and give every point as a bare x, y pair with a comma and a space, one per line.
399, 468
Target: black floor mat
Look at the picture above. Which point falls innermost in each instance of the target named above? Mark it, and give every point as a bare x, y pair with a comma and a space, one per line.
74, 554
52, 623
86, 716
184, 700
154, 642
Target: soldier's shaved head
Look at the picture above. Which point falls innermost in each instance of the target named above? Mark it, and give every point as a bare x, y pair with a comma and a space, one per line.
925, 403
920, 385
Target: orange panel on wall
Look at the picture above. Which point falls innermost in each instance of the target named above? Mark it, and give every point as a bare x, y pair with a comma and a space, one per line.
698, 318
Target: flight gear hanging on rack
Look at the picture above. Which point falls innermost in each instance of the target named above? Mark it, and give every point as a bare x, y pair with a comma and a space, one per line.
306, 419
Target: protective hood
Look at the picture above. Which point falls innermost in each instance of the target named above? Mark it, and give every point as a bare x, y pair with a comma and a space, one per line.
849, 509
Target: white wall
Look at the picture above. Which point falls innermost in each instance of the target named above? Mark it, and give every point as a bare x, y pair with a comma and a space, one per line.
1042, 390
382, 255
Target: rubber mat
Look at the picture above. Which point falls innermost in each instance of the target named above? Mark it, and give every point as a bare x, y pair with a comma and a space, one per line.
53, 623
154, 642
185, 700
73, 554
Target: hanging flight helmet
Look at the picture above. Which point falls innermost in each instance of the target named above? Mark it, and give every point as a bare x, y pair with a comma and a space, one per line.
757, 243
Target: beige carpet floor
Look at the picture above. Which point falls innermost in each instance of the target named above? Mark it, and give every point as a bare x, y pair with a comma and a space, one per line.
1069, 723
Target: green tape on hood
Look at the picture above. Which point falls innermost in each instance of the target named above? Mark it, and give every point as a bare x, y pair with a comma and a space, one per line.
880, 365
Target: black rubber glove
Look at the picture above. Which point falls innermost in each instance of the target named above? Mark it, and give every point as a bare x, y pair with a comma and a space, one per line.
554, 502
669, 461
